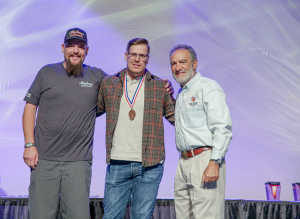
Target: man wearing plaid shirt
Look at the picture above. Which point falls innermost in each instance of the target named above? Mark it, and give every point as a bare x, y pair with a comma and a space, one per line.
134, 101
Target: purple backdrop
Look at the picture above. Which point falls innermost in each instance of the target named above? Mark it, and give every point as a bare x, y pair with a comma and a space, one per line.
250, 47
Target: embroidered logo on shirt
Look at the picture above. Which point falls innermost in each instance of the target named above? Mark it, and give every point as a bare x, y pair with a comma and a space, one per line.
28, 95
193, 103
85, 84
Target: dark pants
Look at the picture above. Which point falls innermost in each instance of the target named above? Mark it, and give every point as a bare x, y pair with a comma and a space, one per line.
56, 184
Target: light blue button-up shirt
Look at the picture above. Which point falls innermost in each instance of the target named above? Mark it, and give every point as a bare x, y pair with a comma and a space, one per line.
202, 117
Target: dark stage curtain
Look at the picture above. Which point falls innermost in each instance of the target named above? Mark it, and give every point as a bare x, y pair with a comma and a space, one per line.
14, 208
246, 209
17, 208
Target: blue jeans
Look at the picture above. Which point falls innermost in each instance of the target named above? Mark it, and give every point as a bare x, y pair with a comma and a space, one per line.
126, 178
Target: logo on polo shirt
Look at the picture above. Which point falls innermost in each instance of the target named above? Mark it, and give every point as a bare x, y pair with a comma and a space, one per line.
28, 95
85, 84
193, 103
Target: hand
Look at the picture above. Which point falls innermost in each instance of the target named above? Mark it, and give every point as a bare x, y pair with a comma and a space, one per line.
211, 173
31, 157
169, 87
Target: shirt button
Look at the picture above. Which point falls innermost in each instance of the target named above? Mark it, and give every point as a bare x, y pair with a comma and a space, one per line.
130, 91
178, 133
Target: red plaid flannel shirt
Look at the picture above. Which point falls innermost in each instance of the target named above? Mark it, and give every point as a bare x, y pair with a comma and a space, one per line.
157, 103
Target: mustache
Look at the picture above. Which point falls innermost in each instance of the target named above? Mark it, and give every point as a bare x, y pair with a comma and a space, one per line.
181, 71
78, 55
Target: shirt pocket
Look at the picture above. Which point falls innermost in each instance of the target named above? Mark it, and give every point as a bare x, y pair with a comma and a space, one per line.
195, 117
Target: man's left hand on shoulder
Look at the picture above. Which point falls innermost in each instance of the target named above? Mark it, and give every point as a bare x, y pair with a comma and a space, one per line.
169, 87
211, 173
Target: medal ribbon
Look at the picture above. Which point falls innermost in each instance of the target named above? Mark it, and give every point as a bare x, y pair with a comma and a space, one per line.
131, 102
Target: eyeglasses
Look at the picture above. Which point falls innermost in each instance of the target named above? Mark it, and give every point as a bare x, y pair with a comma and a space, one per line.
142, 57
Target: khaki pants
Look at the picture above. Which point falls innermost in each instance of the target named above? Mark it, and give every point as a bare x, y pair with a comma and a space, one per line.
194, 199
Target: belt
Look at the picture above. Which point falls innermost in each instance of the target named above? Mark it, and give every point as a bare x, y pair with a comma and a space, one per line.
194, 152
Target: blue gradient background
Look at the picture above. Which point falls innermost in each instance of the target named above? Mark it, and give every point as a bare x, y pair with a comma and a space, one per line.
250, 47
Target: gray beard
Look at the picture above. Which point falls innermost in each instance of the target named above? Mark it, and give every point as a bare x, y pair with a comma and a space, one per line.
189, 75
75, 70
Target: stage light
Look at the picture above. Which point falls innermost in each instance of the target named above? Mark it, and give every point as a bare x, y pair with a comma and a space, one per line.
273, 190
296, 191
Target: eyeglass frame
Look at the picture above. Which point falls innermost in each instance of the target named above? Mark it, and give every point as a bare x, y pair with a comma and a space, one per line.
134, 55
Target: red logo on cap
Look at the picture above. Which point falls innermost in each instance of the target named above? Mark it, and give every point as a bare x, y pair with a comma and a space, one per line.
76, 33
193, 99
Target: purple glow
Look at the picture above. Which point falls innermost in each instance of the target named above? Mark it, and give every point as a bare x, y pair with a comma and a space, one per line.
251, 48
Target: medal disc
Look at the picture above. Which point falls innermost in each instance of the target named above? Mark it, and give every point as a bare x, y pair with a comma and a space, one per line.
131, 114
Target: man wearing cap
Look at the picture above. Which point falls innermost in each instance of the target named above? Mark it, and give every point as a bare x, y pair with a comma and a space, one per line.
59, 148
135, 102
203, 133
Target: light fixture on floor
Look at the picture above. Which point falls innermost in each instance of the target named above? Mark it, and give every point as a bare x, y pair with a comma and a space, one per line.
296, 191
273, 190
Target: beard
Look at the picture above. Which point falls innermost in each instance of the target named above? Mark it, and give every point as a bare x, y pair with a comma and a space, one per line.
183, 80
74, 69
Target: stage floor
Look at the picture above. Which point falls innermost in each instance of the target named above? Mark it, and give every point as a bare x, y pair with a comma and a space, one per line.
17, 208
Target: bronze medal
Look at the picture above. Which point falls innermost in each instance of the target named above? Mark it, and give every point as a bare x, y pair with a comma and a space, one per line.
131, 114
131, 102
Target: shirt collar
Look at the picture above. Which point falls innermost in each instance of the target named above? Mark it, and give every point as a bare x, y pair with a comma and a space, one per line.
191, 83
137, 79
121, 74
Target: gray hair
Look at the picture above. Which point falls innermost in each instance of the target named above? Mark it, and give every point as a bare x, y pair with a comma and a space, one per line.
190, 49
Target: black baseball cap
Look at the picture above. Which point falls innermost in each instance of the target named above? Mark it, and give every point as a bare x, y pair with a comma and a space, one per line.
76, 33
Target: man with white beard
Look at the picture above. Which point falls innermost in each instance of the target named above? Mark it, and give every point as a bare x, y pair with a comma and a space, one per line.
203, 133
59, 148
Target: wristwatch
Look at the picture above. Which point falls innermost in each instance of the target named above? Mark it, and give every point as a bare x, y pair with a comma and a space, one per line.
29, 144
217, 161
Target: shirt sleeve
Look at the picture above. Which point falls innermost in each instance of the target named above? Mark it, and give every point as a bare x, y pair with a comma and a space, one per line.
101, 102
169, 107
218, 122
34, 93
100, 73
